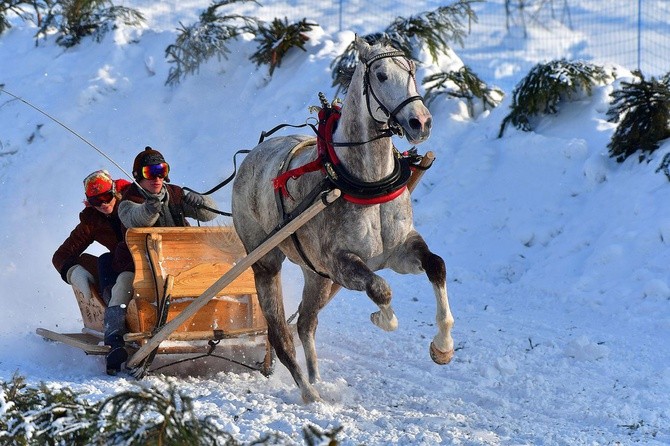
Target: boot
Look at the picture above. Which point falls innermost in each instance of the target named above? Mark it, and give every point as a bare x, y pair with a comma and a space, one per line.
115, 328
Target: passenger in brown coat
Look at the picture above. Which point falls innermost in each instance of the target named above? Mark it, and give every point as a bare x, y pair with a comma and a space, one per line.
98, 222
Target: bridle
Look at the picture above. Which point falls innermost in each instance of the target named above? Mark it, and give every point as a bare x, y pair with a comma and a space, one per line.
368, 92
354, 190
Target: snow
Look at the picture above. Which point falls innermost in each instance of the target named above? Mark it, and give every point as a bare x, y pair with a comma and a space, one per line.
557, 255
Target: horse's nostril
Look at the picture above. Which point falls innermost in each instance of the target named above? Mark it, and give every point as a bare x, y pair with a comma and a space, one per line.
429, 123
415, 124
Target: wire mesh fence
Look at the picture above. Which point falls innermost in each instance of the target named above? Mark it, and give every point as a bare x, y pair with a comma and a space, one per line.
631, 33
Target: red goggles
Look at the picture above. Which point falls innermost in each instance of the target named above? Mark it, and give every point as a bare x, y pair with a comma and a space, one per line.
100, 199
154, 171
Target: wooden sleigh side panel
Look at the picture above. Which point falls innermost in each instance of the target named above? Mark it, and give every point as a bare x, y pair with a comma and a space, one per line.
183, 263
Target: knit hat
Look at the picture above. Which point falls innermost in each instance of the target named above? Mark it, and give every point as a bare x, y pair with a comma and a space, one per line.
147, 157
98, 183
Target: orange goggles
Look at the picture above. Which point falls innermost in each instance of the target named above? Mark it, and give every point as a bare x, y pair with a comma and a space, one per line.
100, 199
154, 171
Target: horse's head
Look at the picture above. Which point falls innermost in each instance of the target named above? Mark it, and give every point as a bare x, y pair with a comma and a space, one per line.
390, 89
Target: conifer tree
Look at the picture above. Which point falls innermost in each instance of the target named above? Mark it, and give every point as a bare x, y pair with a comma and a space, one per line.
642, 111
548, 85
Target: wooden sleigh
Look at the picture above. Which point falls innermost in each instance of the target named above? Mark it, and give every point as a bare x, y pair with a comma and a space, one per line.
193, 288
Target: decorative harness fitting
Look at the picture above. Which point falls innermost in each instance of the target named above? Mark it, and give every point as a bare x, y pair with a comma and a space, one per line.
354, 190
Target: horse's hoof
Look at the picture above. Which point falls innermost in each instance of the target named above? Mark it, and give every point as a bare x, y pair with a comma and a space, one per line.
380, 321
440, 357
310, 396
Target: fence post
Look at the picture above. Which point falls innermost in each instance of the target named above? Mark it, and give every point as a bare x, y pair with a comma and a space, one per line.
340, 23
639, 33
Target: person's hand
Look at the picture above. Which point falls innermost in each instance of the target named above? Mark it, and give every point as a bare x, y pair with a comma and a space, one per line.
154, 202
194, 199
81, 281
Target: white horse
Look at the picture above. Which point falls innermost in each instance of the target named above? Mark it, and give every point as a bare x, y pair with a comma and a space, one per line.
369, 229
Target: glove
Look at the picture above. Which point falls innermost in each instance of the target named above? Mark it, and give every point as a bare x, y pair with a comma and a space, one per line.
154, 202
81, 281
194, 199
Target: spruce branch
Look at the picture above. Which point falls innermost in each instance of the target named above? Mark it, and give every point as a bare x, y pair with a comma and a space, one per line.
41, 415
437, 28
76, 19
158, 417
205, 39
642, 110
467, 85
548, 85
276, 40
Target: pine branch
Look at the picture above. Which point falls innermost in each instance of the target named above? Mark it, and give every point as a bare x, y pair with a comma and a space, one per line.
548, 85
205, 39
468, 86
642, 111
277, 39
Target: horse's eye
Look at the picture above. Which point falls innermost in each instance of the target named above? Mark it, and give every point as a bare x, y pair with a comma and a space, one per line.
381, 77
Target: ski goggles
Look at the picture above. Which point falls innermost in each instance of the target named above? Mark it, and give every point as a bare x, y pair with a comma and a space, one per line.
154, 171
100, 199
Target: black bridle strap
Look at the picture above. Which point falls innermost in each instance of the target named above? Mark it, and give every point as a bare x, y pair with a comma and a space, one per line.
391, 115
402, 104
386, 133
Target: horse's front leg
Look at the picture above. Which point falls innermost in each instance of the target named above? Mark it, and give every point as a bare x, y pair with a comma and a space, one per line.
316, 294
414, 257
268, 286
352, 273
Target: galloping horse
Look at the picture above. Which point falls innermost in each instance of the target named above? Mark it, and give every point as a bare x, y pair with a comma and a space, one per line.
356, 235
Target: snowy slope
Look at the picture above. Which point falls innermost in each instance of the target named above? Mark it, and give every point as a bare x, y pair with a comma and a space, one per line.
557, 256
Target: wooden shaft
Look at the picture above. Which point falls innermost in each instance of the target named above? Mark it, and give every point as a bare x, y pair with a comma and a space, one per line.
200, 335
228, 277
426, 162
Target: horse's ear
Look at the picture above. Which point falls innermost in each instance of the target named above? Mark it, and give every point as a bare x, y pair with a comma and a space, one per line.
361, 46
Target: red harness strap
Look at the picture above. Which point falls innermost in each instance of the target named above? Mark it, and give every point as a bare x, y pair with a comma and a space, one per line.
328, 118
375, 200
279, 183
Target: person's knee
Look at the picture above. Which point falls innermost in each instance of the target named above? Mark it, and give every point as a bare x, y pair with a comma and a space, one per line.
122, 291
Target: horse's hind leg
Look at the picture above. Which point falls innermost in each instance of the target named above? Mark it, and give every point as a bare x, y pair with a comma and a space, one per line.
414, 258
315, 296
268, 286
352, 273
